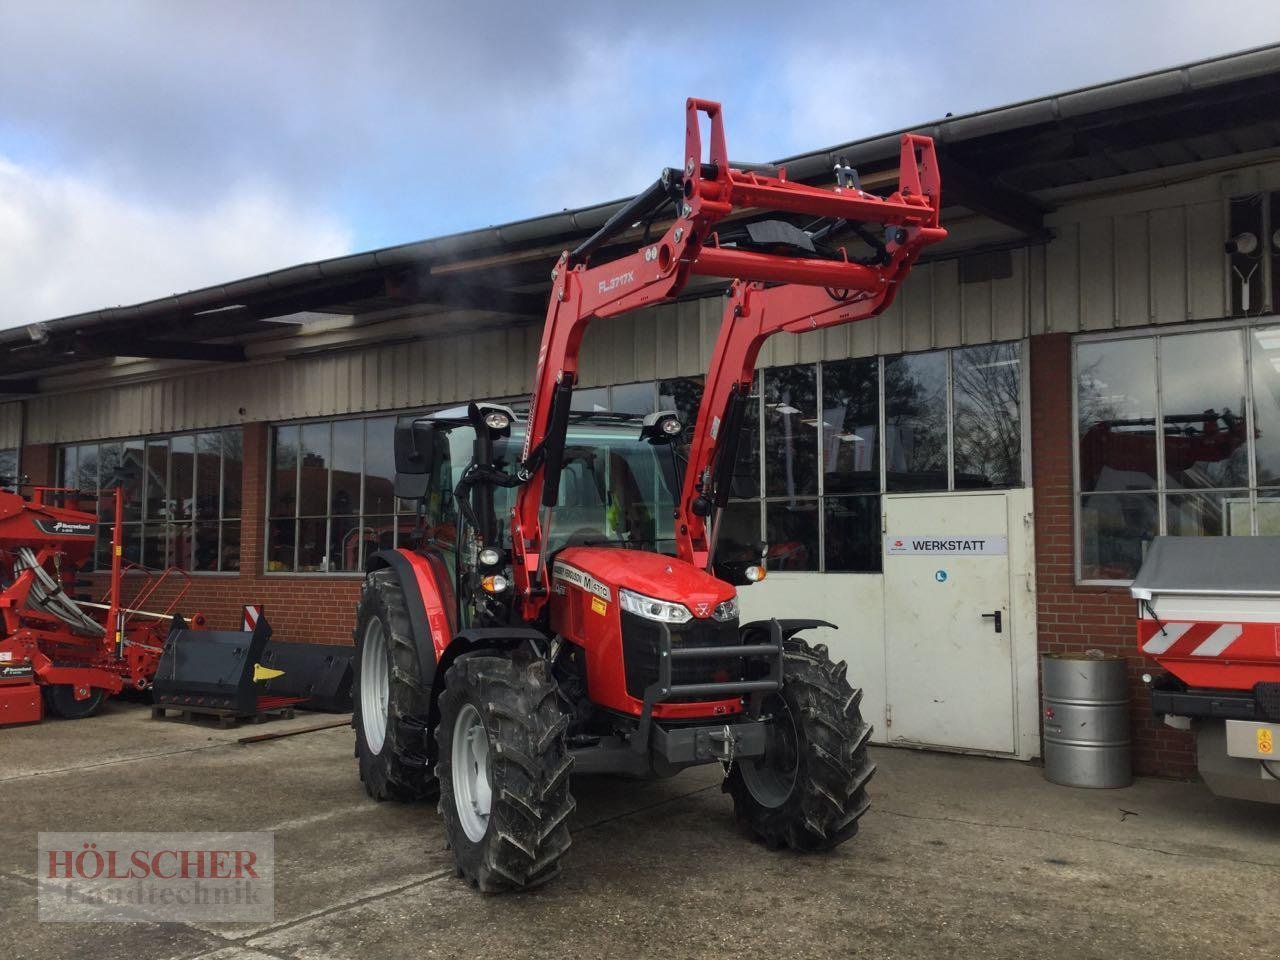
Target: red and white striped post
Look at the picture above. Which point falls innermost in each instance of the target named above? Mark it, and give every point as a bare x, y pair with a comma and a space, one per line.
252, 613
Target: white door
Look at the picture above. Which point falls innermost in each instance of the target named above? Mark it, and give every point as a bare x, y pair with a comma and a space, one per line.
948, 625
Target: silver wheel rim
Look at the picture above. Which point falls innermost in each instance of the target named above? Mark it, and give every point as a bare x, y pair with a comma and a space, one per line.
375, 686
472, 792
771, 779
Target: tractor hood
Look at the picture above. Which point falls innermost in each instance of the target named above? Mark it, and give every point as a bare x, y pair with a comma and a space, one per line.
652, 574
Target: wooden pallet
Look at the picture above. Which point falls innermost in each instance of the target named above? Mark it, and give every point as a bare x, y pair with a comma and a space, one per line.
193, 713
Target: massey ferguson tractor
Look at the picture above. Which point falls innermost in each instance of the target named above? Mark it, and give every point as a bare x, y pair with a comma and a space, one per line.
562, 606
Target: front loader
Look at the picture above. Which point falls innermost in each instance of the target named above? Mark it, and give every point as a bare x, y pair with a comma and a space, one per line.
561, 607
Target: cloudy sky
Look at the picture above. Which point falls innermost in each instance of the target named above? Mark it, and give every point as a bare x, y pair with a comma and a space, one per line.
153, 147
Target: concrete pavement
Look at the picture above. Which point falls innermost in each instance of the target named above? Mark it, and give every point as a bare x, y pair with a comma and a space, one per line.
959, 856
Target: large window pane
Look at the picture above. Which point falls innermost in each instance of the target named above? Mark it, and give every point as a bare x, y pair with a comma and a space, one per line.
311, 544
232, 471
1116, 409
636, 398
915, 398
8, 466
87, 469
205, 546
853, 541
284, 472
746, 470
791, 531
379, 465
1266, 402
133, 478
344, 543
182, 477
790, 434
313, 470
1202, 398
282, 536
348, 452
987, 418
1115, 530
156, 505
1208, 514
851, 426
69, 468
155, 545
1269, 513
590, 401
208, 477
230, 547
739, 532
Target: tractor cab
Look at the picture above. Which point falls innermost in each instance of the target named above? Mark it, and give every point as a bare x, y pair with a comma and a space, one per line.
620, 475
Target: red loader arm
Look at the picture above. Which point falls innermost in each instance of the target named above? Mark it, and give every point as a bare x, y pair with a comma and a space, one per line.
708, 190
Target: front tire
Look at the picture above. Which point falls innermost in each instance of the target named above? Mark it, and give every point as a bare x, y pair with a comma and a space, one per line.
503, 771
810, 788
390, 703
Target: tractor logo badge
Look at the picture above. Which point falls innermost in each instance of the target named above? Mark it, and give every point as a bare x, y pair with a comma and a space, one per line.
704, 609
623, 278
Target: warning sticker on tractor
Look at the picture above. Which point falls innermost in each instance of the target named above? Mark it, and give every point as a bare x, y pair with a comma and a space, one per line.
1266, 743
598, 606
940, 546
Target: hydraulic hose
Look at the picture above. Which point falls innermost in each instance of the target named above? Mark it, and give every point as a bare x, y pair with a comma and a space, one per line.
47, 592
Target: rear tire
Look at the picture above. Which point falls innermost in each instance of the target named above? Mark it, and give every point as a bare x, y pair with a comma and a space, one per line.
503, 771
810, 788
60, 698
390, 704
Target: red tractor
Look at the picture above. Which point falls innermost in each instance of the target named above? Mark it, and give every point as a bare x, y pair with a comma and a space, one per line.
561, 607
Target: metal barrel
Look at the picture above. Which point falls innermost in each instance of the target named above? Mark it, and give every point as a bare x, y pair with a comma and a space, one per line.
1086, 721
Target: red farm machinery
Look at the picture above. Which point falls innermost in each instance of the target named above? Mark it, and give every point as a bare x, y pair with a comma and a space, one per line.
61, 650
561, 605
1209, 615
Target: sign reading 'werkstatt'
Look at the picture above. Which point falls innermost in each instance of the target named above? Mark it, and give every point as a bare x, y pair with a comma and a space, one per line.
940, 546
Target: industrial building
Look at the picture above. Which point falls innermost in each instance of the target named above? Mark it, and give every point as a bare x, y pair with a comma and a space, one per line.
961, 484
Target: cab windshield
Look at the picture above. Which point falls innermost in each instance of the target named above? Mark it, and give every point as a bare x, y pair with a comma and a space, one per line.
615, 488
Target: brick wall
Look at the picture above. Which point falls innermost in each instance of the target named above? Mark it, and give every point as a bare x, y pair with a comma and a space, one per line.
302, 609
1072, 619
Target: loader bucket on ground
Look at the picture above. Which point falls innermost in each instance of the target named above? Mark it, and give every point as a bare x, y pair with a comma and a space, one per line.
318, 673
211, 669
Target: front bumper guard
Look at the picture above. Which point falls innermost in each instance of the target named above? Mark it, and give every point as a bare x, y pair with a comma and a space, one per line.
704, 743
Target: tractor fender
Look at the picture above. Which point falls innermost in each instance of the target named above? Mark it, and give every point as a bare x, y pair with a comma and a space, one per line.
789, 627
429, 617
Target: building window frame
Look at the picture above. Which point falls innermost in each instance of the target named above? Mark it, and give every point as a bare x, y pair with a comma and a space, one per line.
138, 528
820, 498
358, 515
1243, 326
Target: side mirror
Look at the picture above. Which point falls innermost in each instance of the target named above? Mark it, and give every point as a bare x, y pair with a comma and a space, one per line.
418, 451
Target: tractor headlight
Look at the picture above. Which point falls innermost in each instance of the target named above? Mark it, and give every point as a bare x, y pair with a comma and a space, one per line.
727, 610
497, 420
661, 610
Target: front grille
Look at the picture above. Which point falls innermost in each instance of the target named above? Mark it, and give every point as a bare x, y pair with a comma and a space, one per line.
640, 639
1268, 696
